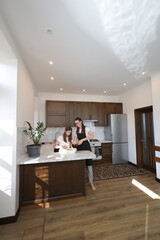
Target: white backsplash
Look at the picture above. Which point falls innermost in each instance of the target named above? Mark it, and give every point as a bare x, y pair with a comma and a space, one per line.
100, 133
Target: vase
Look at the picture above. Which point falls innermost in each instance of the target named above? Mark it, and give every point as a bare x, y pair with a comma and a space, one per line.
33, 151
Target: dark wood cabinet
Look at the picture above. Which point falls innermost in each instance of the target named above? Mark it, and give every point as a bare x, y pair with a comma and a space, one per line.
57, 113
56, 107
50, 181
107, 152
101, 116
113, 108
75, 110
86, 113
63, 113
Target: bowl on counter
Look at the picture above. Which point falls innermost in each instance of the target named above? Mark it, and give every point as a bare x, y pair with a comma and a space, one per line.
71, 150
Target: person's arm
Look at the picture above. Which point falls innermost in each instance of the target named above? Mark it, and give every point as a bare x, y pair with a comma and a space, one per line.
61, 142
89, 136
74, 140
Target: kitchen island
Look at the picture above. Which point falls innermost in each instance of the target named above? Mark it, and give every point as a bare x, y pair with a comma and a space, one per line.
52, 176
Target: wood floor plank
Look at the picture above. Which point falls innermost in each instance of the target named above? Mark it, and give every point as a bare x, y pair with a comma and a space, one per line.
116, 210
71, 236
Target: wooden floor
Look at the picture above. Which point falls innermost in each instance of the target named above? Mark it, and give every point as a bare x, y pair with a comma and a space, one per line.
118, 210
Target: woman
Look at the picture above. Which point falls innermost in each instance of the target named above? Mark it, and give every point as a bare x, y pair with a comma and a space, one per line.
65, 140
83, 134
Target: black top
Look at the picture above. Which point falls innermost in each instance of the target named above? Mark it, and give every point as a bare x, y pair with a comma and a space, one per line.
84, 146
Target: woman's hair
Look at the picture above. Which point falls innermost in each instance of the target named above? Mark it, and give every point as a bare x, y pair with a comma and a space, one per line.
83, 127
68, 128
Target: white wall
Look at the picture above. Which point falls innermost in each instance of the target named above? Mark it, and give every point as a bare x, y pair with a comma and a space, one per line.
25, 96
136, 98
25, 86
18, 106
42, 97
156, 114
8, 134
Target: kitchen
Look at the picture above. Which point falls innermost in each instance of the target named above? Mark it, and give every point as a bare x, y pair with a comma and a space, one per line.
103, 79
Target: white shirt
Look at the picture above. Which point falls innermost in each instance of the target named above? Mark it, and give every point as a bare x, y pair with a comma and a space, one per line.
87, 129
62, 142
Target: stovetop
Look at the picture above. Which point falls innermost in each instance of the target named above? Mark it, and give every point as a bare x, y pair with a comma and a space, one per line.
94, 140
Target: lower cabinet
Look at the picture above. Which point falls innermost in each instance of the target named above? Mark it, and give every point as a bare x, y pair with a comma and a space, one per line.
107, 152
51, 181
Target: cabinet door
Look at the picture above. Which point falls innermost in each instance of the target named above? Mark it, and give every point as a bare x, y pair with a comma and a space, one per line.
101, 116
113, 108
94, 110
57, 114
75, 110
55, 108
86, 113
56, 121
107, 152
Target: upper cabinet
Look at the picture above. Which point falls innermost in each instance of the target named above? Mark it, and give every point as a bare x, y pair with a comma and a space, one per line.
113, 108
75, 110
56, 113
63, 113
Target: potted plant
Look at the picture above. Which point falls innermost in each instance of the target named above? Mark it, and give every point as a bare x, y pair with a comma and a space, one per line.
35, 135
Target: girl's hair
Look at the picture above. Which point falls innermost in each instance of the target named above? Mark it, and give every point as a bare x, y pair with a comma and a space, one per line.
83, 127
68, 128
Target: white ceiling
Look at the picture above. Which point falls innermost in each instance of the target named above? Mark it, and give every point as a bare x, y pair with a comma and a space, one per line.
95, 45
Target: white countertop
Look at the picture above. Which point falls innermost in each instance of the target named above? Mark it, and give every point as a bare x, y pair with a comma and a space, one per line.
48, 155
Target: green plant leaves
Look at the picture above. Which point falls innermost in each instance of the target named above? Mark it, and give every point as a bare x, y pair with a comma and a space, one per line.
37, 133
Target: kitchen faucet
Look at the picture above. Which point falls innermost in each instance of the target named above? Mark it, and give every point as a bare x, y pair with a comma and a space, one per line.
57, 135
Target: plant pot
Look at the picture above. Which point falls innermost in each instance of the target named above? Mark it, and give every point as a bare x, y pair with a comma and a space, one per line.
33, 151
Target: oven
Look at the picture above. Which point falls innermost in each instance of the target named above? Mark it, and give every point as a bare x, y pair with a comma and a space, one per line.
96, 148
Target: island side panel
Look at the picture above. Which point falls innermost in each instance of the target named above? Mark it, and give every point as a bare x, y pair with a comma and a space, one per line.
50, 181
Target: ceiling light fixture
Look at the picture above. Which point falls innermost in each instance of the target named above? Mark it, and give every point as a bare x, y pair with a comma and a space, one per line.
105, 91
49, 31
52, 78
61, 89
84, 90
124, 84
50, 62
143, 73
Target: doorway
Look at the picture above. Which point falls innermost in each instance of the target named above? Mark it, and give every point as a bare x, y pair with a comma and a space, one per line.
145, 138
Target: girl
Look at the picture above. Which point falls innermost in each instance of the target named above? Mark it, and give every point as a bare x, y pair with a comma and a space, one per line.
83, 134
65, 140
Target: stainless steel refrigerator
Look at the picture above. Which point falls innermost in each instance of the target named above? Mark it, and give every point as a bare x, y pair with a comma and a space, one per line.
118, 128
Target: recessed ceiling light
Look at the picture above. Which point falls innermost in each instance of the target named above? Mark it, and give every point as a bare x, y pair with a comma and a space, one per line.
124, 84
143, 73
49, 31
84, 90
61, 89
52, 78
50, 62
105, 91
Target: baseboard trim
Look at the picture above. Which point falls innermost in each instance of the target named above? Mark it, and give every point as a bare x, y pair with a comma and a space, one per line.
10, 219
157, 179
132, 164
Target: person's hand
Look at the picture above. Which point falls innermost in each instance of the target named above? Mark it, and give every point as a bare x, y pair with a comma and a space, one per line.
74, 142
55, 143
80, 142
64, 146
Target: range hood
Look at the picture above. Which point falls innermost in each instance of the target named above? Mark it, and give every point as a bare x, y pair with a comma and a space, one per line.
90, 120
90, 123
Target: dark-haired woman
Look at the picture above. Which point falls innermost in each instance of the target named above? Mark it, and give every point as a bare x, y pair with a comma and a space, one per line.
65, 140
83, 134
